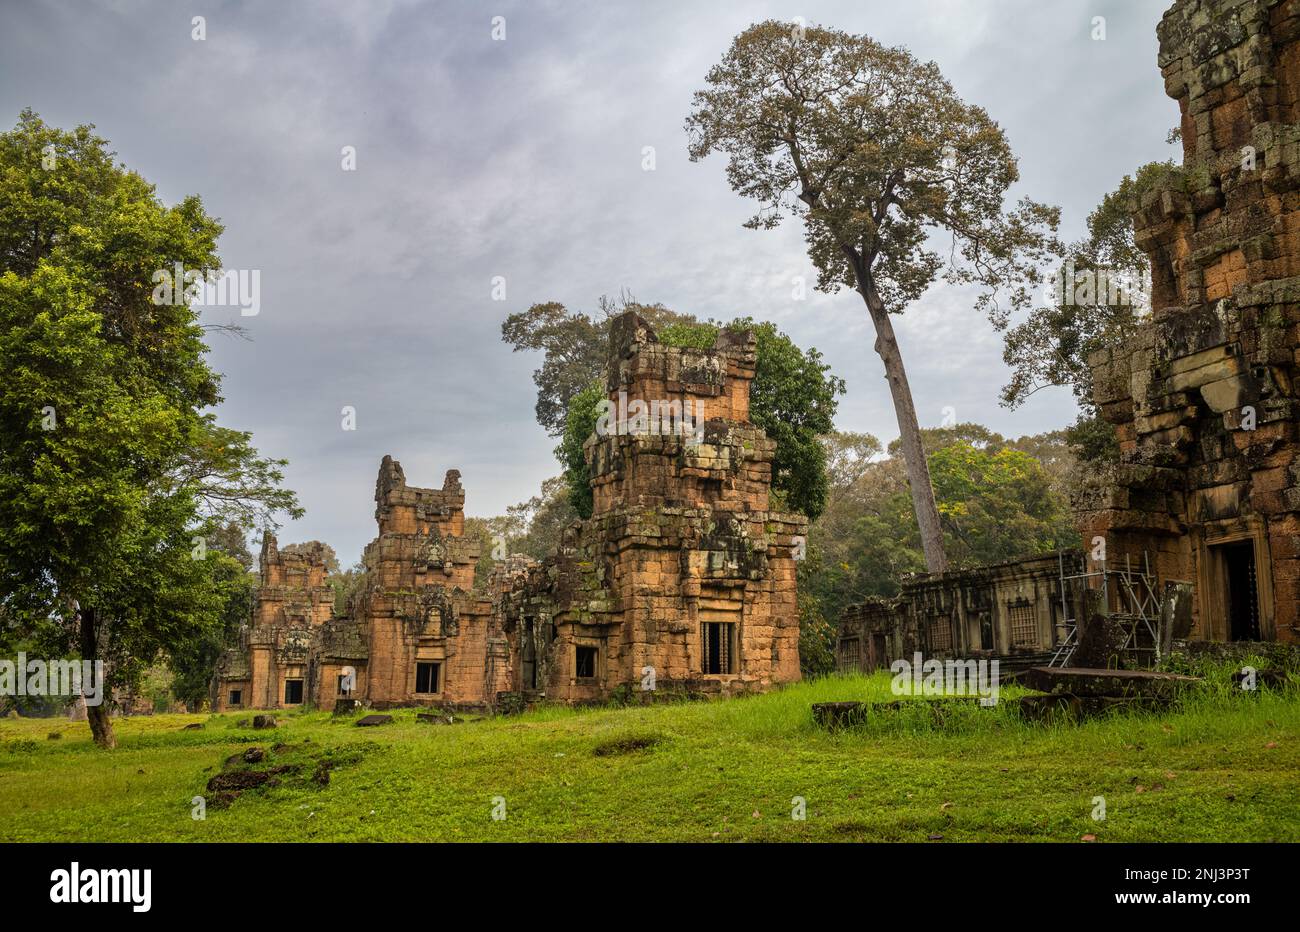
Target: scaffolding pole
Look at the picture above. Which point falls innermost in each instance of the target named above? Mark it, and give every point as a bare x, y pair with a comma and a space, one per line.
1127, 595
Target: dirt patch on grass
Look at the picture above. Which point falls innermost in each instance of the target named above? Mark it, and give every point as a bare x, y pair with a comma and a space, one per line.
284, 765
850, 828
626, 744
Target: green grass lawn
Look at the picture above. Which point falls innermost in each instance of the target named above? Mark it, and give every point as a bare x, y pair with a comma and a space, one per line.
1226, 767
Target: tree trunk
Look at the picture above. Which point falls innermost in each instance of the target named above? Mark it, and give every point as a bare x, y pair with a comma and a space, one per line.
909, 431
101, 725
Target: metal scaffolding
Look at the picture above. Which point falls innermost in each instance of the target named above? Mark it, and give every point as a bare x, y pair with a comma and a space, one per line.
1127, 595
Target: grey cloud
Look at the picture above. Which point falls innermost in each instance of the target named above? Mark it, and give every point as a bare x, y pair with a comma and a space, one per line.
522, 159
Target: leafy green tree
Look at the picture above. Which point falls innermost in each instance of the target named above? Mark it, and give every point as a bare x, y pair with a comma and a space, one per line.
1087, 313
848, 456
875, 152
579, 424
532, 528
111, 472
793, 398
573, 347
816, 637
997, 501
997, 504
544, 518
194, 656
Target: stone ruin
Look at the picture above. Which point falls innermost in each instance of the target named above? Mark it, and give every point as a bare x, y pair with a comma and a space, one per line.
1203, 399
1013, 611
683, 576
682, 580
1195, 535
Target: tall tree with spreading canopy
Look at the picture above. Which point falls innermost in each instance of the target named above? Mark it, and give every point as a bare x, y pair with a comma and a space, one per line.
875, 152
112, 473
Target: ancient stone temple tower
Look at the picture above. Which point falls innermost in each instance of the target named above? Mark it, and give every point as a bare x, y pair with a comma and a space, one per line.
1204, 399
415, 633
682, 577
270, 664
682, 580
428, 631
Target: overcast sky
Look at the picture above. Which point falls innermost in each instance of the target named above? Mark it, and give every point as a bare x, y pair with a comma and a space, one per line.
522, 158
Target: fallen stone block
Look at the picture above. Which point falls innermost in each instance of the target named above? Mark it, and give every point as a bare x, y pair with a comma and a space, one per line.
1084, 681
239, 780
839, 714
845, 714
369, 721
264, 721
1264, 679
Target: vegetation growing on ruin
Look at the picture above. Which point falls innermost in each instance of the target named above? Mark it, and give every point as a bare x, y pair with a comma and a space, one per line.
793, 397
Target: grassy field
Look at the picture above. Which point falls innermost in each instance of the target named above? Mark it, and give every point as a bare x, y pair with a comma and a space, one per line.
1226, 767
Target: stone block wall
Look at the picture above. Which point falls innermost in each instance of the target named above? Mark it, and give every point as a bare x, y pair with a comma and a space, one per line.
1204, 398
1008, 610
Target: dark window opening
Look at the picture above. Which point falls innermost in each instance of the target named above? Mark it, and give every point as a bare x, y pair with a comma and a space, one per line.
986, 631
877, 650
236, 697
718, 638
1024, 626
344, 685
1243, 591
426, 677
586, 663
528, 657
293, 692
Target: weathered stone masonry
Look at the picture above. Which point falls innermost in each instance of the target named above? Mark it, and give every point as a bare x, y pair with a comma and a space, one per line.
1011, 610
683, 579
682, 574
1204, 398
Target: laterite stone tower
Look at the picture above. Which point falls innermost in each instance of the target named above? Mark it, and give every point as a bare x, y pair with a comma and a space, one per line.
1204, 399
